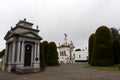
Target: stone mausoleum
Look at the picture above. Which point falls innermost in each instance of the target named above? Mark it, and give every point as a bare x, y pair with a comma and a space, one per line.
66, 52
22, 48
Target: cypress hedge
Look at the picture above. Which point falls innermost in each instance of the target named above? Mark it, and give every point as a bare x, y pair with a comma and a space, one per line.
42, 57
45, 47
102, 53
52, 54
90, 47
116, 50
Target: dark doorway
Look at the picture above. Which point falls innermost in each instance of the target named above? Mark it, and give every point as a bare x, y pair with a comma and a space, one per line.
27, 58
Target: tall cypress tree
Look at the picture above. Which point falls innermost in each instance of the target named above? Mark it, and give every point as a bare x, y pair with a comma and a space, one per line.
90, 46
42, 57
116, 44
116, 50
52, 54
45, 47
102, 52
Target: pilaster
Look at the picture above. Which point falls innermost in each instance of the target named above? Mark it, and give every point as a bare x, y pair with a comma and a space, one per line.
18, 52
22, 52
13, 51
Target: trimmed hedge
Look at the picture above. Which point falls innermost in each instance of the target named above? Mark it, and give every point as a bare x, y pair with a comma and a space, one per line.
52, 54
90, 47
45, 47
116, 50
42, 57
102, 53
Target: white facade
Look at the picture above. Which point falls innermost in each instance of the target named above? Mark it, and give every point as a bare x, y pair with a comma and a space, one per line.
81, 56
66, 52
66, 55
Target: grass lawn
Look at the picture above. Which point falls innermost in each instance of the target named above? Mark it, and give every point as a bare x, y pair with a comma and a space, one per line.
114, 67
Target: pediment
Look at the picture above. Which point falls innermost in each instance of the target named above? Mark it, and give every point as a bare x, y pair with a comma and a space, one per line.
26, 34
31, 34
9, 34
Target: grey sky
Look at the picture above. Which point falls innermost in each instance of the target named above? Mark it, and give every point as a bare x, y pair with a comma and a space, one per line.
77, 18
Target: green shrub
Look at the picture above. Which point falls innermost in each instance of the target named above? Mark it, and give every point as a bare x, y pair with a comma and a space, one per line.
116, 50
102, 53
52, 54
90, 47
45, 47
2, 53
42, 57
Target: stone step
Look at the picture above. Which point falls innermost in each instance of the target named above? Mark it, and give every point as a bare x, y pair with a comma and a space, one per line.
26, 70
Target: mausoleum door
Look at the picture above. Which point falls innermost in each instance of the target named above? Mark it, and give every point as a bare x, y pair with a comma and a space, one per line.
27, 58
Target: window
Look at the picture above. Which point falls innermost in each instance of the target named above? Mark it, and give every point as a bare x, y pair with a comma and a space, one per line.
62, 53
79, 56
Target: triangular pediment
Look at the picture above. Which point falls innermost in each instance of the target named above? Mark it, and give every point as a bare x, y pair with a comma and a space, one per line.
26, 34
9, 34
30, 34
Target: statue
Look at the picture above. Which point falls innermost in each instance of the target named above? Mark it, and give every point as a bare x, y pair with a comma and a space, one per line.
65, 36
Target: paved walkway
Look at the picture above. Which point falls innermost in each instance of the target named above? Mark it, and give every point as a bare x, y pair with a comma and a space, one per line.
65, 72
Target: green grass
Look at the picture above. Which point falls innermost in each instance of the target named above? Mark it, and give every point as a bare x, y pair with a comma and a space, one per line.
114, 67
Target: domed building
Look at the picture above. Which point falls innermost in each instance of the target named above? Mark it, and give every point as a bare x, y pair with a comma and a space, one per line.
66, 53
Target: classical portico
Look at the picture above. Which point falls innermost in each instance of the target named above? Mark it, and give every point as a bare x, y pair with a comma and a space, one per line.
22, 47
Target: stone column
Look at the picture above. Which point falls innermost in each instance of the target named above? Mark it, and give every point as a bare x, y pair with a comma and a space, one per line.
35, 56
35, 53
22, 52
18, 52
9, 55
13, 52
38, 52
6, 53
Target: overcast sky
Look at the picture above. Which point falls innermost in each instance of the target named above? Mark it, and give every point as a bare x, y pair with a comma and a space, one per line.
77, 18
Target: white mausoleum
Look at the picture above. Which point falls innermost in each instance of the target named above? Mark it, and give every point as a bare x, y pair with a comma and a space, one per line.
81, 56
22, 47
66, 52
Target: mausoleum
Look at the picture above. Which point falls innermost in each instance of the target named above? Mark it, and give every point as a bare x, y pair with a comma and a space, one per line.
22, 48
66, 53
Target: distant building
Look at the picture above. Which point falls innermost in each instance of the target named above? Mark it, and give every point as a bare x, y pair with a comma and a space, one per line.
22, 48
66, 52
81, 56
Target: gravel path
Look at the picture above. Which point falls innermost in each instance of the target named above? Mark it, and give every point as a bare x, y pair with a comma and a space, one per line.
65, 72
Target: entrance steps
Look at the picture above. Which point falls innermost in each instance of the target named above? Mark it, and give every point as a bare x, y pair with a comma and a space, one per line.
26, 70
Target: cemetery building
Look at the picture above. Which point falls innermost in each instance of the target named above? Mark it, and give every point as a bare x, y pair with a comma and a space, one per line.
22, 48
81, 56
66, 52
